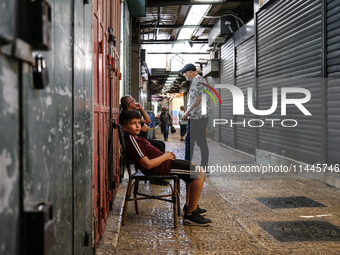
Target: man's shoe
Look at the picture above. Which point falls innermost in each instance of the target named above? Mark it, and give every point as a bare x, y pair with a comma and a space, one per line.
195, 219
201, 211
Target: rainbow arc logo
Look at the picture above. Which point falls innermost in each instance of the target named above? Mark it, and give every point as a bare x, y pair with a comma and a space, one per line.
204, 97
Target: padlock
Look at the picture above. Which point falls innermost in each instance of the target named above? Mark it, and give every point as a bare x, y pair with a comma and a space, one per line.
112, 38
40, 74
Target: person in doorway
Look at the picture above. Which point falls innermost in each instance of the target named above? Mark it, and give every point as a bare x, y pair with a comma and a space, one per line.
130, 104
183, 123
165, 121
151, 161
198, 122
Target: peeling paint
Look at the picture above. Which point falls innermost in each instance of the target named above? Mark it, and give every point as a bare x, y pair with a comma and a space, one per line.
53, 131
82, 139
61, 125
48, 101
67, 92
58, 215
7, 183
10, 91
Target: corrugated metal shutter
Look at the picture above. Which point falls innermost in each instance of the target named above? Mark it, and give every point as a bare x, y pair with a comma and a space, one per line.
216, 111
289, 45
227, 77
245, 136
333, 70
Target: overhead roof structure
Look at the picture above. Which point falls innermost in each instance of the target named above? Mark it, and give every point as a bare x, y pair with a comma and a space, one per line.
182, 27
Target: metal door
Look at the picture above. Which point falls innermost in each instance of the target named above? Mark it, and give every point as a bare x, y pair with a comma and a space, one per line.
333, 72
245, 136
226, 134
289, 45
114, 78
106, 73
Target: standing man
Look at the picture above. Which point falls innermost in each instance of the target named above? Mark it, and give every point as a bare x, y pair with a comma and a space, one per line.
198, 122
165, 121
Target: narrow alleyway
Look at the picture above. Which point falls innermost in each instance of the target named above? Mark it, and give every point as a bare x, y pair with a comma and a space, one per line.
236, 214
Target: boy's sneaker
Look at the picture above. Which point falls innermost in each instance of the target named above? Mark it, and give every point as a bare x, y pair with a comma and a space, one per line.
195, 219
201, 211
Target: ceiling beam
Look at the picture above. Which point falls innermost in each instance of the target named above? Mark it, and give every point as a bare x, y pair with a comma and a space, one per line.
175, 41
158, 20
157, 3
179, 26
178, 53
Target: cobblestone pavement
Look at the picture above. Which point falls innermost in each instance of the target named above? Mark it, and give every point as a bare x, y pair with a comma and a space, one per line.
230, 199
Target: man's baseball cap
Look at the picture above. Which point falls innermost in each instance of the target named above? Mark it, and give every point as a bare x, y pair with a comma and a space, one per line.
188, 67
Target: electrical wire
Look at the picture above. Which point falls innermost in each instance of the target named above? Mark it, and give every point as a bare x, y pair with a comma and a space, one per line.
224, 15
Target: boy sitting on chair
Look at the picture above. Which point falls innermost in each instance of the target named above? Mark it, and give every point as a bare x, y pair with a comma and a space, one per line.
152, 161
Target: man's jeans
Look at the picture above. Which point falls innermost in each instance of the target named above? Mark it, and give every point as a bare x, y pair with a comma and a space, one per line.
196, 132
165, 131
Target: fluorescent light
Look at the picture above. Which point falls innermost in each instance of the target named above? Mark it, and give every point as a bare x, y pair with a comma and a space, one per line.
196, 13
194, 17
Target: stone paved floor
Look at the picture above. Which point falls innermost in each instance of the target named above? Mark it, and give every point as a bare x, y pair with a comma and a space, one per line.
234, 211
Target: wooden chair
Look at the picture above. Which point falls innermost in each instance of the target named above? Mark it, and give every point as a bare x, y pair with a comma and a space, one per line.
139, 176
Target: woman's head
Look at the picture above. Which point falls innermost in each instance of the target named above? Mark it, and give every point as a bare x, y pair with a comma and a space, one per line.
181, 107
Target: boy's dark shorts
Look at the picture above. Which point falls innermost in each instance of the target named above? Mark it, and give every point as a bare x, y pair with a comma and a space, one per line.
183, 169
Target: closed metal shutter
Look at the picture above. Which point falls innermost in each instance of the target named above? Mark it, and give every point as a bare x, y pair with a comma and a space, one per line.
289, 45
333, 70
245, 135
216, 111
227, 77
